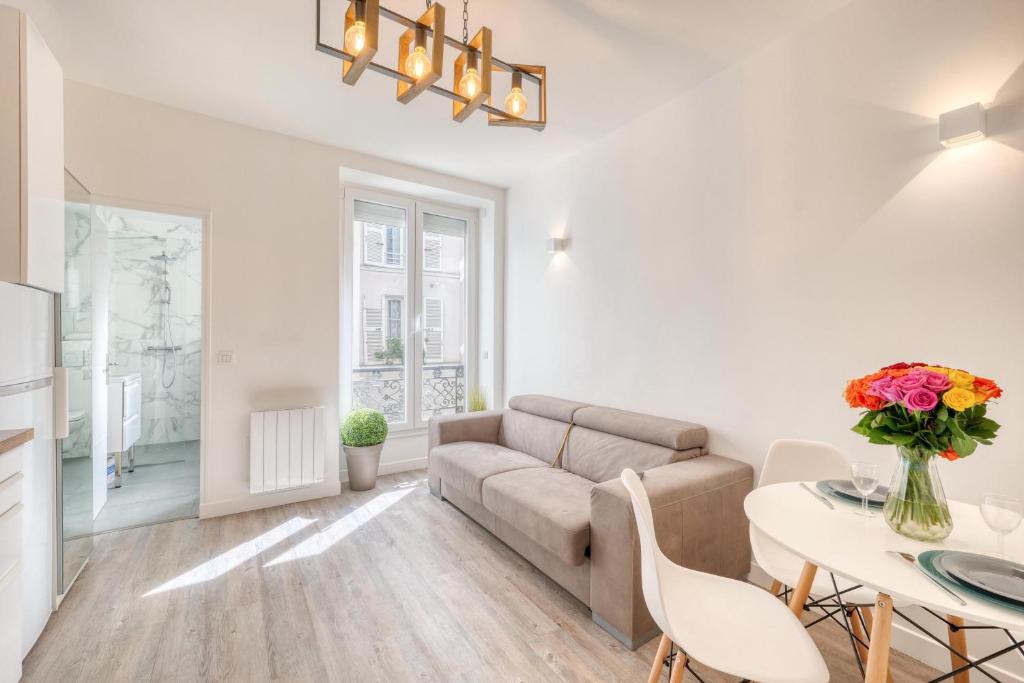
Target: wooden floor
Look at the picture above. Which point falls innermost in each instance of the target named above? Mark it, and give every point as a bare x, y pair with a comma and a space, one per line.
385, 585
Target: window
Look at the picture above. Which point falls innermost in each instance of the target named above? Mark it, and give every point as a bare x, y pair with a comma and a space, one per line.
415, 363
431, 251
394, 319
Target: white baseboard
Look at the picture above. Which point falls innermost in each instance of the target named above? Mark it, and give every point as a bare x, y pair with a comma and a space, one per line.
910, 642
268, 500
393, 467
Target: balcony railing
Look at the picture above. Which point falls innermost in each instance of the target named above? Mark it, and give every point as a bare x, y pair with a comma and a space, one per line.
383, 388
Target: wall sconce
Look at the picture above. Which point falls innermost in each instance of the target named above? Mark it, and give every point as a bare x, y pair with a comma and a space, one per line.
556, 245
962, 126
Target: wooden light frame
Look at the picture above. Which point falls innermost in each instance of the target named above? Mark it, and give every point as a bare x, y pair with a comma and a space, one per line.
431, 23
351, 71
433, 19
541, 74
482, 44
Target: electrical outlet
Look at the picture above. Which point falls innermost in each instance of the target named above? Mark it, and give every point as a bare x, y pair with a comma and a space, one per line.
225, 357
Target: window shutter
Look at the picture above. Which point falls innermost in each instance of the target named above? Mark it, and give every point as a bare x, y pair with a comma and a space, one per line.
373, 245
431, 251
433, 330
373, 334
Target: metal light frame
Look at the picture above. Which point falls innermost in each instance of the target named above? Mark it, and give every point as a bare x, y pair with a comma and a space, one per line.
496, 116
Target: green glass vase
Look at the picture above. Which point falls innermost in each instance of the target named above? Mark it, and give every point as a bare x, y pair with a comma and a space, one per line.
916, 506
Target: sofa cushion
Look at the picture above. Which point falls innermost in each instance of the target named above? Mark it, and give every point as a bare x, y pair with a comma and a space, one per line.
661, 431
549, 505
532, 434
466, 464
598, 456
546, 406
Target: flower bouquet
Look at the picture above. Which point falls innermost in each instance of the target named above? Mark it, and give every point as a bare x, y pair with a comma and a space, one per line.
923, 410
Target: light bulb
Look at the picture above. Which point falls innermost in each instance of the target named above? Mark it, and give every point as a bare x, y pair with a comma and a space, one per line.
515, 103
417, 63
355, 38
469, 84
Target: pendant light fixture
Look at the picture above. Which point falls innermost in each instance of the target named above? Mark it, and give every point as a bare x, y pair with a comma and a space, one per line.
421, 63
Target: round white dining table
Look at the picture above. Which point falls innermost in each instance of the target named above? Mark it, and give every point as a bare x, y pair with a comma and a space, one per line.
847, 544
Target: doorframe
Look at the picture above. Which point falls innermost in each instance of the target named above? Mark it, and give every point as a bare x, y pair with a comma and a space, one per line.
206, 353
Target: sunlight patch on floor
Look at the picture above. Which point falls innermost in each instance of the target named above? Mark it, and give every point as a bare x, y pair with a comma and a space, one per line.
318, 543
225, 562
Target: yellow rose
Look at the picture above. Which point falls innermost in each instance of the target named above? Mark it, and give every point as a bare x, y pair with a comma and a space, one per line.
958, 399
961, 379
941, 371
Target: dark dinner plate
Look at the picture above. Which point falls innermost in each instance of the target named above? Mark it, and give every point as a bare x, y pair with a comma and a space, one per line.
993, 575
844, 488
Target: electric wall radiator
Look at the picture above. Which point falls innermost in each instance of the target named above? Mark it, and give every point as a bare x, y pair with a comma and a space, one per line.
286, 449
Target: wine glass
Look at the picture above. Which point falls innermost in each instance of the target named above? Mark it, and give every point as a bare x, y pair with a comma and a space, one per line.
865, 479
1003, 514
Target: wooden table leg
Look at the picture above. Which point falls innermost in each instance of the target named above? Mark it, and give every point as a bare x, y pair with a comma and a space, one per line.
659, 659
958, 641
776, 587
881, 633
802, 589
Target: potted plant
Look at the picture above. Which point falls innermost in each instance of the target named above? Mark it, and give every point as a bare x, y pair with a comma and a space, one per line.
925, 411
362, 434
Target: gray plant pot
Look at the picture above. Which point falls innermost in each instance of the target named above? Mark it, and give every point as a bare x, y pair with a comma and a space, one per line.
363, 463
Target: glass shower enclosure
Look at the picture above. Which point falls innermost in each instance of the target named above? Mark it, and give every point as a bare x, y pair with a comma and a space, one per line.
75, 327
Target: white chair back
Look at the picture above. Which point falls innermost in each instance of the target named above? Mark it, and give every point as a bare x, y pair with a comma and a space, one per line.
650, 552
798, 460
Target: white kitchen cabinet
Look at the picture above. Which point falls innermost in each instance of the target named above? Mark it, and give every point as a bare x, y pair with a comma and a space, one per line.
31, 156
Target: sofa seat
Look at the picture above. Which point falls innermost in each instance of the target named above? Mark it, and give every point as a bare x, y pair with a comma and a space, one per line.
465, 465
549, 505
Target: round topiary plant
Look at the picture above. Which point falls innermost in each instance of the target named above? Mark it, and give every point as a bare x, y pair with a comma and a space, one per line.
364, 427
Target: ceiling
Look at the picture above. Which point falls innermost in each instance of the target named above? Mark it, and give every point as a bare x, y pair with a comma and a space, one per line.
253, 62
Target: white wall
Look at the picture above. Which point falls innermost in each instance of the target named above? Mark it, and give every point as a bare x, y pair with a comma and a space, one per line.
274, 205
737, 254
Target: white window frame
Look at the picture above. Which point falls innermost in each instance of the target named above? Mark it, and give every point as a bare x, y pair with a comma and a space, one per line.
352, 261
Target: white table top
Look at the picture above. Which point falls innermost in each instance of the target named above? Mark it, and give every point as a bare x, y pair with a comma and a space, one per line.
846, 544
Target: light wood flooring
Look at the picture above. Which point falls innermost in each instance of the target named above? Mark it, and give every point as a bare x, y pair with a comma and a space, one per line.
395, 585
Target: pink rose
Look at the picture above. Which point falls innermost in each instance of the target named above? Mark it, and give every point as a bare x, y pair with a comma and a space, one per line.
936, 381
912, 380
920, 399
884, 388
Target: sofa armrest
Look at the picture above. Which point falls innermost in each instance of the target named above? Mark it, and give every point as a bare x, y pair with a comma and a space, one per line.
699, 522
479, 426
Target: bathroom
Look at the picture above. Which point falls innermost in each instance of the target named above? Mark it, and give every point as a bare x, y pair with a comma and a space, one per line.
153, 266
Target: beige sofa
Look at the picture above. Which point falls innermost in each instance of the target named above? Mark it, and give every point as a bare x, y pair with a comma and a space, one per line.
573, 520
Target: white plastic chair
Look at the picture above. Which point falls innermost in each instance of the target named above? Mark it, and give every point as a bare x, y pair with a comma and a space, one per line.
796, 460
728, 625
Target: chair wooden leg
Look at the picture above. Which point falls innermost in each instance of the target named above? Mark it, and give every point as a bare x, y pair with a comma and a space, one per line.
659, 659
958, 641
881, 633
802, 589
776, 587
678, 667
859, 634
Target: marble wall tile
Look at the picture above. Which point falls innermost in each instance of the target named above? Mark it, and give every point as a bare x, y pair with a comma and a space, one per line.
150, 309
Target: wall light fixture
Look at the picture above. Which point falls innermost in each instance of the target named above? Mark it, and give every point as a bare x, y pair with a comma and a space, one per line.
962, 126
556, 244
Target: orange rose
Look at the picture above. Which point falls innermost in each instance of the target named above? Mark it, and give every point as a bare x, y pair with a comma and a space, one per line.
984, 389
857, 396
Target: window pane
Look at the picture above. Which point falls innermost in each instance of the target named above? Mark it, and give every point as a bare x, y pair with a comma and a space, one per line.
379, 295
444, 316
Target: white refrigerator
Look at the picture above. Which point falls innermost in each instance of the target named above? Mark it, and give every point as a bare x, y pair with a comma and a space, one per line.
27, 400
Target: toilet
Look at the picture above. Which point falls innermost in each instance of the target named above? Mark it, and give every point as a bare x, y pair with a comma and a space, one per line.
78, 444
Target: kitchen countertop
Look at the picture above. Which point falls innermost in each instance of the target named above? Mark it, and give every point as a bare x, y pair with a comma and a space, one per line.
12, 438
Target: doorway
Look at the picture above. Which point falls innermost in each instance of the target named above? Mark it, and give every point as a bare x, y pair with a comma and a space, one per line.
154, 360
